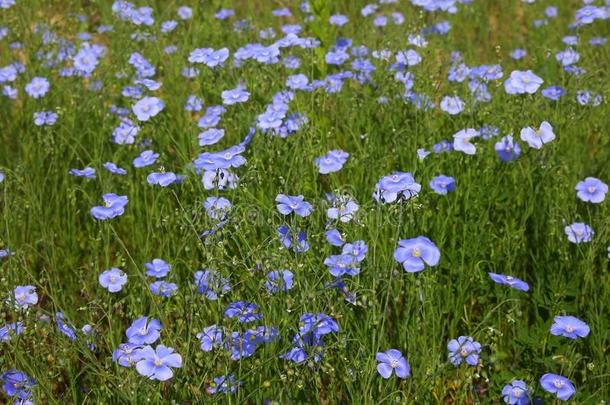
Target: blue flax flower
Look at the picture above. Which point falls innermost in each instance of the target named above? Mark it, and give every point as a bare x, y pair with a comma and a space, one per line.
234, 96
344, 264
210, 136
225, 384
535, 138
211, 284
415, 253
163, 288
518, 54
570, 327
147, 107
230, 157
297, 204
220, 179
579, 232
217, 207
162, 179
558, 385
10, 330
157, 364
333, 236
591, 190
17, 385
287, 238
114, 205
65, 327
308, 341
553, 92
516, 393
507, 149
442, 184
25, 295
392, 361
125, 133
357, 249
211, 118
298, 82
113, 168
127, 354
185, 12
85, 61
462, 141
6, 4
45, 118
193, 103
209, 57
332, 162
464, 348
279, 280
319, 324
157, 268
244, 311
143, 331
5, 253
343, 208
398, 186
146, 158
210, 337
452, 105
305, 347
240, 346
87, 172
168, 26
522, 82
113, 279
510, 281
567, 57
38, 87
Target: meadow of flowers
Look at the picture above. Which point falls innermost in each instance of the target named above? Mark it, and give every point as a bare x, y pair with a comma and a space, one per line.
346, 201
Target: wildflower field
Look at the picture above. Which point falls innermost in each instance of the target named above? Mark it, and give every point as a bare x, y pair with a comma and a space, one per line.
287, 201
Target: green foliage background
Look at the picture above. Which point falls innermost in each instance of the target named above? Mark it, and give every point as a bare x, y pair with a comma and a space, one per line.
504, 218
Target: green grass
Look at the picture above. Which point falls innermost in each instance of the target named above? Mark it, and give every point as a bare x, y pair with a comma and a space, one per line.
503, 217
